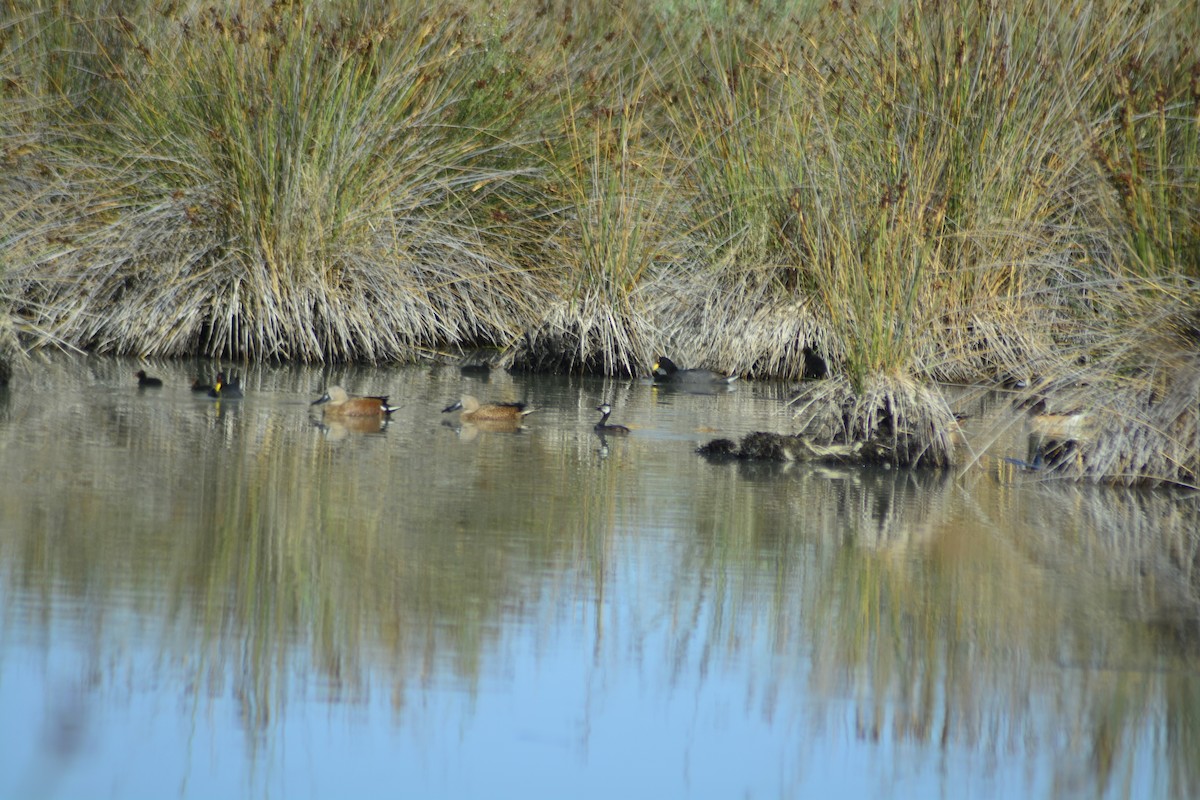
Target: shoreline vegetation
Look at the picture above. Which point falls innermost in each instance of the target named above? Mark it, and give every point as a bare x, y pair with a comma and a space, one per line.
997, 194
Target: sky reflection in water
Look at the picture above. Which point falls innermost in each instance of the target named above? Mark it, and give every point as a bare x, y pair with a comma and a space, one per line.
218, 599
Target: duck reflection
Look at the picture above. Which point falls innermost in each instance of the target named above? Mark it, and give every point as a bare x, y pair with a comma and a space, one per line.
338, 428
667, 388
468, 431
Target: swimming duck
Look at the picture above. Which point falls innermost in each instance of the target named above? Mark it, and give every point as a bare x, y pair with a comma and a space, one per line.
146, 382
602, 427
339, 403
473, 411
230, 389
665, 371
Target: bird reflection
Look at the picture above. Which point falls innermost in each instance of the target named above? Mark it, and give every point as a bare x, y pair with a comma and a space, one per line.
342, 427
469, 431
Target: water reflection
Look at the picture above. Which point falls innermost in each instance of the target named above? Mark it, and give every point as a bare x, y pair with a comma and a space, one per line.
337, 429
235, 570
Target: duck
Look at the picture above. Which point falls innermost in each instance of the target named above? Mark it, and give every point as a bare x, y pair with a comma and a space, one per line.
223, 389
665, 371
603, 428
340, 403
473, 411
147, 382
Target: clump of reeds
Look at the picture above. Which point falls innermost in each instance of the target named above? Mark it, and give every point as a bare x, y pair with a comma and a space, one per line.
607, 224
738, 122
1149, 440
907, 423
743, 328
1135, 417
1120, 403
877, 187
1145, 143
277, 182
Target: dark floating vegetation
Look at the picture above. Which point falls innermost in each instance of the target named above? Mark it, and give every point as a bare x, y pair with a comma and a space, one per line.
763, 446
887, 196
893, 422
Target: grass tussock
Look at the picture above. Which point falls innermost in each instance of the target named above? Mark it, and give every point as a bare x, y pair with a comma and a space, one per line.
609, 224
1139, 415
910, 423
1151, 438
928, 192
279, 184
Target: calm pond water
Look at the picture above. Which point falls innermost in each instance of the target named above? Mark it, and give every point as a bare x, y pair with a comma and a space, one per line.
203, 599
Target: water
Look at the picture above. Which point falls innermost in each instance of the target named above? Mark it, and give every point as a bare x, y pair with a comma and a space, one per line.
204, 598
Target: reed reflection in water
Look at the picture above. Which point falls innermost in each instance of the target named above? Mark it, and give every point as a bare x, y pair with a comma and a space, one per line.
206, 597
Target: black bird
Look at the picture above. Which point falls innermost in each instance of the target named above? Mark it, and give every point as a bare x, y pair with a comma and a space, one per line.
146, 382
665, 371
602, 427
223, 389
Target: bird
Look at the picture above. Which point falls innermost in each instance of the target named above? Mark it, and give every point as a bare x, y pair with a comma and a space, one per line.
339, 403
815, 367
200, 386
602, 427
665, 371
223, 389
473, 411
147, 382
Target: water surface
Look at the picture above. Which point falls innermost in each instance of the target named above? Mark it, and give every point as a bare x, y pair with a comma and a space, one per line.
202, 598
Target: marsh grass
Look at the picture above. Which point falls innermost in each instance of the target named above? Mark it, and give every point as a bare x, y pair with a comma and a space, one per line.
606, 226
1145, 425
284, 185
930, 192
1145, 143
